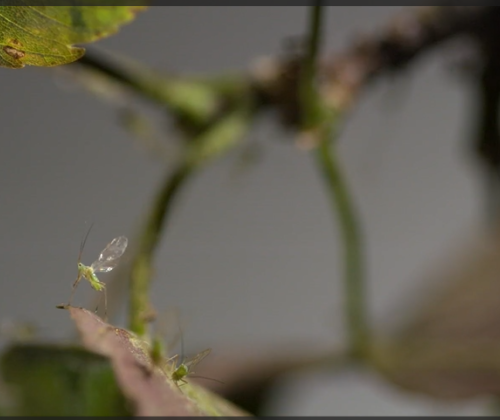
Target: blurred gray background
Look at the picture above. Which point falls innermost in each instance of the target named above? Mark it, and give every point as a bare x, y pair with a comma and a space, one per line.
250, 260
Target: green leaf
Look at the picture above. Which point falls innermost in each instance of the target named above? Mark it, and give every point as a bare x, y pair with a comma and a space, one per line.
49, 380
44, 35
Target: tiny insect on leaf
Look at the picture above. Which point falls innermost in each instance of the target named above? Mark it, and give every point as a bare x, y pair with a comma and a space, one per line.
184, 368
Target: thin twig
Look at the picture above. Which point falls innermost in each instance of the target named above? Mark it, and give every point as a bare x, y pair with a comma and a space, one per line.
188, 98
308, 89
401, 42
354, 273
314, 120
345, 75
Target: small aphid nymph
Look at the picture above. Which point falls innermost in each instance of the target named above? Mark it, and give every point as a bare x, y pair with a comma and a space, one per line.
185, 367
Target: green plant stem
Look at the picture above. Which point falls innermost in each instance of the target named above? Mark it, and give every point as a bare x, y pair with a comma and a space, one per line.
308, 93
356, 316
193, 99
215, 142
141, 272
321, 122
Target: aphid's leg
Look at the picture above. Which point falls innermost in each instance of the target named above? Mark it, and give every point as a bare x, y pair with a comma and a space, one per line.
179, 385
105, 305
160, 366
101, 287
175, 356
74, 289
173, 360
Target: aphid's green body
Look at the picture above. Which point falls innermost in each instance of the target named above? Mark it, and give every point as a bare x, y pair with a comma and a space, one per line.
171, 367
87, 272
180, 372
184, 368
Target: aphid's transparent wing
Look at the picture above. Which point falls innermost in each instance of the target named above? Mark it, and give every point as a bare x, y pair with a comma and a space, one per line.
193, 361
109, 255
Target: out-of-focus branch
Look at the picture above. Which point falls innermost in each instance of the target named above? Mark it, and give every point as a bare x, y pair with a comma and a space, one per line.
343, 76
407, 37
207, 147
319, 126
340, 79
188, 99
356, 310
486, 134
309, 98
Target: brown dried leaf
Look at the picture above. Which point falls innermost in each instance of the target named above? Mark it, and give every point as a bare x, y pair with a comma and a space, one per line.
151, 391
451, 349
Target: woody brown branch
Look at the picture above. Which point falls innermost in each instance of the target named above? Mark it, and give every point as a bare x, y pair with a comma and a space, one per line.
343, 76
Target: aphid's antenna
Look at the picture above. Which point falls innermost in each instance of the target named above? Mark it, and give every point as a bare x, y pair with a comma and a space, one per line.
182, 339
82, 243
105, 306
204, 377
